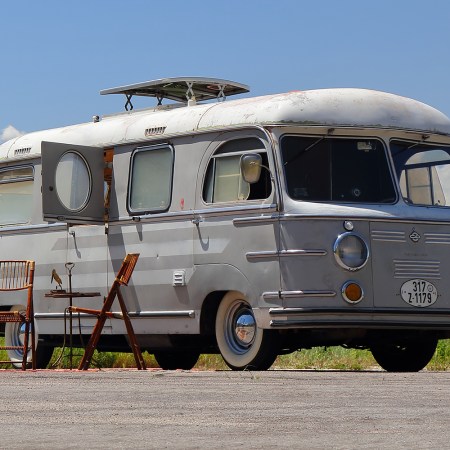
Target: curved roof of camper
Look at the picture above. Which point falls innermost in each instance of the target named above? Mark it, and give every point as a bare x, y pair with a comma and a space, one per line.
346, 107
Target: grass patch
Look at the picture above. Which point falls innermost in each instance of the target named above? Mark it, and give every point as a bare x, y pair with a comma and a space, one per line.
331, 358
318, 358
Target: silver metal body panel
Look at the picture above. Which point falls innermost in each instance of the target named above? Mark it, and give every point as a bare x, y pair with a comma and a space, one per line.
277, 252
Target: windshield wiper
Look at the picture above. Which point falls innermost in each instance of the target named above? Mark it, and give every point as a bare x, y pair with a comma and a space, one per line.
304, 151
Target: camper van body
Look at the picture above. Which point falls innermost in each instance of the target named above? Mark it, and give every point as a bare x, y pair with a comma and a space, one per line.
342, 240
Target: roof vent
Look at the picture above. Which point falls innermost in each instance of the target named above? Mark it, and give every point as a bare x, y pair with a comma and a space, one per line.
22, 151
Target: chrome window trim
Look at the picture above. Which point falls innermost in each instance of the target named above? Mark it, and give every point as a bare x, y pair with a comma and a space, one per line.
327, 135
133, 212
18, 179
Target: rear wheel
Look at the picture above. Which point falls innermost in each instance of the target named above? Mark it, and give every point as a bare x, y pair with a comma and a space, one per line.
172, 360
408, 356
14, 336
242, 344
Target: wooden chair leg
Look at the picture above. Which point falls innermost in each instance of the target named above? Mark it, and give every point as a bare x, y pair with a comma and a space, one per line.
92, 344
122, 278
140, 363
95, 336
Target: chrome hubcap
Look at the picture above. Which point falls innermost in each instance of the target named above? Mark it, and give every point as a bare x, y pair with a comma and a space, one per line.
240, 327
245, 327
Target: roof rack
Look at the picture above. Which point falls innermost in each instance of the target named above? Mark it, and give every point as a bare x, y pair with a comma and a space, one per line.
188, 90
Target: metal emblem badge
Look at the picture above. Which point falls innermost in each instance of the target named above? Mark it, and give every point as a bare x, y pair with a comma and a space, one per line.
415, 236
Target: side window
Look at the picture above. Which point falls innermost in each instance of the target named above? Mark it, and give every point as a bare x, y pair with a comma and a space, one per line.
424, 173
16, 195
150, 185
223, 180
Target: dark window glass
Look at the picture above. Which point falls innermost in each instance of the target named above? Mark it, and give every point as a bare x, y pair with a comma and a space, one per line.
337, 170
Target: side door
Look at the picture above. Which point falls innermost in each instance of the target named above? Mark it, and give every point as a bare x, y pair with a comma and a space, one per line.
151, 214
236, 239
73, 183
74, 187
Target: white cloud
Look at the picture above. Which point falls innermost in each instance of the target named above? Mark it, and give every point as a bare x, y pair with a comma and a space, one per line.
9, 133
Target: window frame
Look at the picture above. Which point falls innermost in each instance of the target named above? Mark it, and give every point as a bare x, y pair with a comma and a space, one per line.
149, 148
432, 146
19, 179
319, 138
218, 154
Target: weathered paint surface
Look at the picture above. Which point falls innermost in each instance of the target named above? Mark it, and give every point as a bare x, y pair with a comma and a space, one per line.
325, 107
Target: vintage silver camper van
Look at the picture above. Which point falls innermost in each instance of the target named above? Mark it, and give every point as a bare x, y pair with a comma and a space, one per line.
264, 225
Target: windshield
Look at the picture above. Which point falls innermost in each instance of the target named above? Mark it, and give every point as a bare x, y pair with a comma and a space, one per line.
337, 170
423, 172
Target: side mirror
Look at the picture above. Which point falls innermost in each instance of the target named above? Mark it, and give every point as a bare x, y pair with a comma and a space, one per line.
251, 167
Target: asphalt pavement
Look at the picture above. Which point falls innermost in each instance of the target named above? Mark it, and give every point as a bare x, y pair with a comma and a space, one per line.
118, 409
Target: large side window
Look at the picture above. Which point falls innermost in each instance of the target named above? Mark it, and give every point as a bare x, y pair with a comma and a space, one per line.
337, 170
16, 195
150, 185
223, 180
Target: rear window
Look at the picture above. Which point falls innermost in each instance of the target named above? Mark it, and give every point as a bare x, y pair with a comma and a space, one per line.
16, 195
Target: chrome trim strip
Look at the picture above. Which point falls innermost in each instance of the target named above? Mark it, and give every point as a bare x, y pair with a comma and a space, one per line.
388, 236
260, 220
416, 269
341, 323
350, 214
297, 294
359, 311
60, 316
157, 314
307, 294
270, 254
157, 217
311, 252
437, 238
271, 295
133, 314
191, 214
41, 228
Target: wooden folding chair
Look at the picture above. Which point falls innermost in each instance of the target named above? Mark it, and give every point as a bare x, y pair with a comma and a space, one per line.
122, 278
19, 276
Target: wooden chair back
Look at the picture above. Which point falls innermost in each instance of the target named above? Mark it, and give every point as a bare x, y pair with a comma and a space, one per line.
17, 275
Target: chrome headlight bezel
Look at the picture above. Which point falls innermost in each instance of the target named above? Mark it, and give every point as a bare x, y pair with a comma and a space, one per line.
342, 259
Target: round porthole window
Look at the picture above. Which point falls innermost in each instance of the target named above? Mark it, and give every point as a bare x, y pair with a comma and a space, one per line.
73, 181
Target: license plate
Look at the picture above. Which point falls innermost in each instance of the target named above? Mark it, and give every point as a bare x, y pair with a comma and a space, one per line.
420, 293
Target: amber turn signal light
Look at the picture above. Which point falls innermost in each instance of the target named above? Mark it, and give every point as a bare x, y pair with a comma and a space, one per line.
352, 292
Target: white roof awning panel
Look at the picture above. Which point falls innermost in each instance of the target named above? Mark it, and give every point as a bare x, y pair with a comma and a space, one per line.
181, 89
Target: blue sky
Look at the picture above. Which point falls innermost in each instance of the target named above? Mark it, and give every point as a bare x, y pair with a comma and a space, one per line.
56, 56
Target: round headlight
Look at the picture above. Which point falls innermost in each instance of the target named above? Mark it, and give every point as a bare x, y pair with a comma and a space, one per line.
351, 251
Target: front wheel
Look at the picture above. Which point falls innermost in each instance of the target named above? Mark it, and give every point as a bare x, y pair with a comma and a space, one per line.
14, 336
242, 344
408, 356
